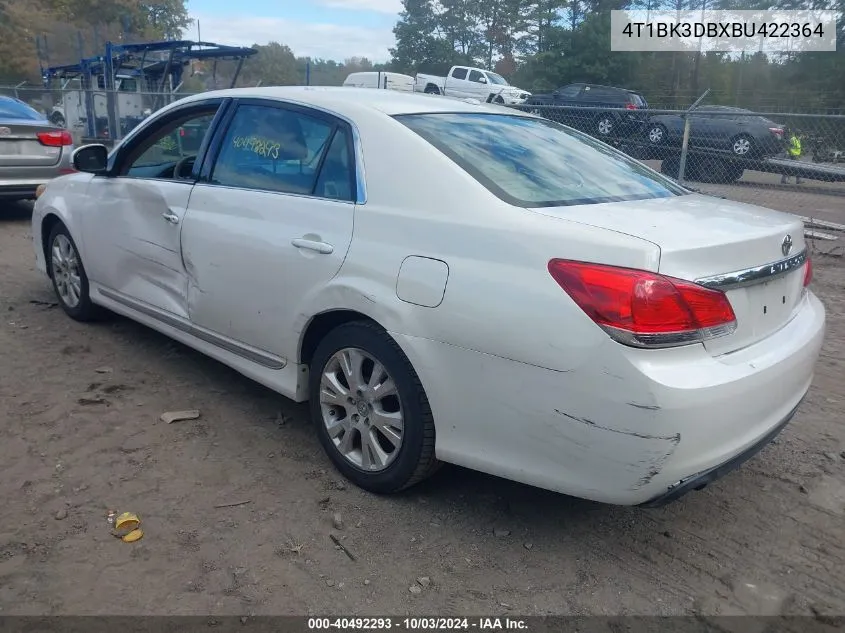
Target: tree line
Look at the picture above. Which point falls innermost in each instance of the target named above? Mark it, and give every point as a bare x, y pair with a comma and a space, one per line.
540, 45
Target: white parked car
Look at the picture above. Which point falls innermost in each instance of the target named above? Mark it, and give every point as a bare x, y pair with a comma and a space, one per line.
557, 313
381, 79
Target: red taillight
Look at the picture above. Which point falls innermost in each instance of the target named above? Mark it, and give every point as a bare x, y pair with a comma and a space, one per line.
776, 131
644, 309
808, 272
57, 138
630, 106
181, 131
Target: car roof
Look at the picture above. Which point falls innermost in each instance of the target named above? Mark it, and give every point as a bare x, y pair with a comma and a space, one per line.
348, 101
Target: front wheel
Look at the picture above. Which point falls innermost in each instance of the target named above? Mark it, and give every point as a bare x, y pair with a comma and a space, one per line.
70, 282
371, 412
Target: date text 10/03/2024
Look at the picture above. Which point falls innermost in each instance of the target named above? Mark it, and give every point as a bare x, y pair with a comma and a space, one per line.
417, 624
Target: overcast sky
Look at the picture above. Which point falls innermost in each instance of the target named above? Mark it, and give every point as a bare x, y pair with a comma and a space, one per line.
329, 29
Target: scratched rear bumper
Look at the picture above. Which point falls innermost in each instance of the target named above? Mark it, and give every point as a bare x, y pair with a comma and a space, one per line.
700, 480
623, 426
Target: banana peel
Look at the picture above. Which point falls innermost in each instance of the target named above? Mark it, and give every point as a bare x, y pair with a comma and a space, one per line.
128, 535
127, 528
134, 535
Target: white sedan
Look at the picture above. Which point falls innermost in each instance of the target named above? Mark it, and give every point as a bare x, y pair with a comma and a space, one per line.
448, 282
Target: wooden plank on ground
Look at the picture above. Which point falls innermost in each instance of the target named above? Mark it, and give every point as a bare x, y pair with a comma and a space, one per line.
823, 224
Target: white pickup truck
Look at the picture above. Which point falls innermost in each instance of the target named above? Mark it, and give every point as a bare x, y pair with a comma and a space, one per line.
468, 82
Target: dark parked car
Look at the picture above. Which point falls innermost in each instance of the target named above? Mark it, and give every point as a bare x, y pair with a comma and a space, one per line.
603, 111
733, 131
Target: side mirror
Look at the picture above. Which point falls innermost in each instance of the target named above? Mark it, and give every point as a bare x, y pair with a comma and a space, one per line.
92, 159
482, 80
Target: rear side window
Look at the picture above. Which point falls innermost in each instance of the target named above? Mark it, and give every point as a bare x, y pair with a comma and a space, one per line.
459, 73
272, 149
599, 93
336, 180
637, 100
10, 108
532, 162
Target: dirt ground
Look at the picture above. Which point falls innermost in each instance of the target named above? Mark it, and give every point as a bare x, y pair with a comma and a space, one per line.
80, 434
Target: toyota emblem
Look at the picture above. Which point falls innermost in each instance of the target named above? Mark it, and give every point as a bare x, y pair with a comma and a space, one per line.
786, 245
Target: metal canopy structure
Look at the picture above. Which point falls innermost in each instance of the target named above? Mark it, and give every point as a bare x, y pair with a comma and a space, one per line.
156, 62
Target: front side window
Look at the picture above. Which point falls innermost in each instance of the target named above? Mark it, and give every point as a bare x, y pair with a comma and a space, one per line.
476, 76
532, 162
497, 79
170, 151
272, 149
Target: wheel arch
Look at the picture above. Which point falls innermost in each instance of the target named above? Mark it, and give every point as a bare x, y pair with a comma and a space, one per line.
48, 222
321, 324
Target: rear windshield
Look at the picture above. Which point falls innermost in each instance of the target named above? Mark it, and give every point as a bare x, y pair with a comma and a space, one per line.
532, 162
12, 109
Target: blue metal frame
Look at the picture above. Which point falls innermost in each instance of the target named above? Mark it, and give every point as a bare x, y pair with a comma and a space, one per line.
131, 59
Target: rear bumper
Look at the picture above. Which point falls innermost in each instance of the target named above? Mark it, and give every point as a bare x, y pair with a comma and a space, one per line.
699, 481
17, 192
622, 426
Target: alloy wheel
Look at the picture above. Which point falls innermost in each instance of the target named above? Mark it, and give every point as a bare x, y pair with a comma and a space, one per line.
361, 410
65, 268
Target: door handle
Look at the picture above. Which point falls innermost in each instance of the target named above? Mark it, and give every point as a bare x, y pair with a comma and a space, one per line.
170, 217
311, 245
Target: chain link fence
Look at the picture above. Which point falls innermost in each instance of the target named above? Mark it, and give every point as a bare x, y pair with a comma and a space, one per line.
793, 162
786, 161
69, 108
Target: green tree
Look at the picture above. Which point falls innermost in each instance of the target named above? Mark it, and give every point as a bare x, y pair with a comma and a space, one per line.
273, 65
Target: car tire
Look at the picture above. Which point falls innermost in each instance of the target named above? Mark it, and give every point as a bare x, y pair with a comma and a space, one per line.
432, 90
341, 407
603, 125
57, 119
70, 282
657, 134
743, 146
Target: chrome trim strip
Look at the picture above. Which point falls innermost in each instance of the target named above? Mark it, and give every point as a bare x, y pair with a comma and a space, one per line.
758, 274
259, 358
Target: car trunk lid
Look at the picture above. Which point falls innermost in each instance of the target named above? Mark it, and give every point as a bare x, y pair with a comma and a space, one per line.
20, 147
754, 255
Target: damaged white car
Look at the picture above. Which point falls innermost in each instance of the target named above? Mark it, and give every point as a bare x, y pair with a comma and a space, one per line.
551, 312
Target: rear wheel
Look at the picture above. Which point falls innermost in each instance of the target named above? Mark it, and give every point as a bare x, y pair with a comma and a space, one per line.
603, 125
657, 134
432, 90
371, 412
70, 282
742, 145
